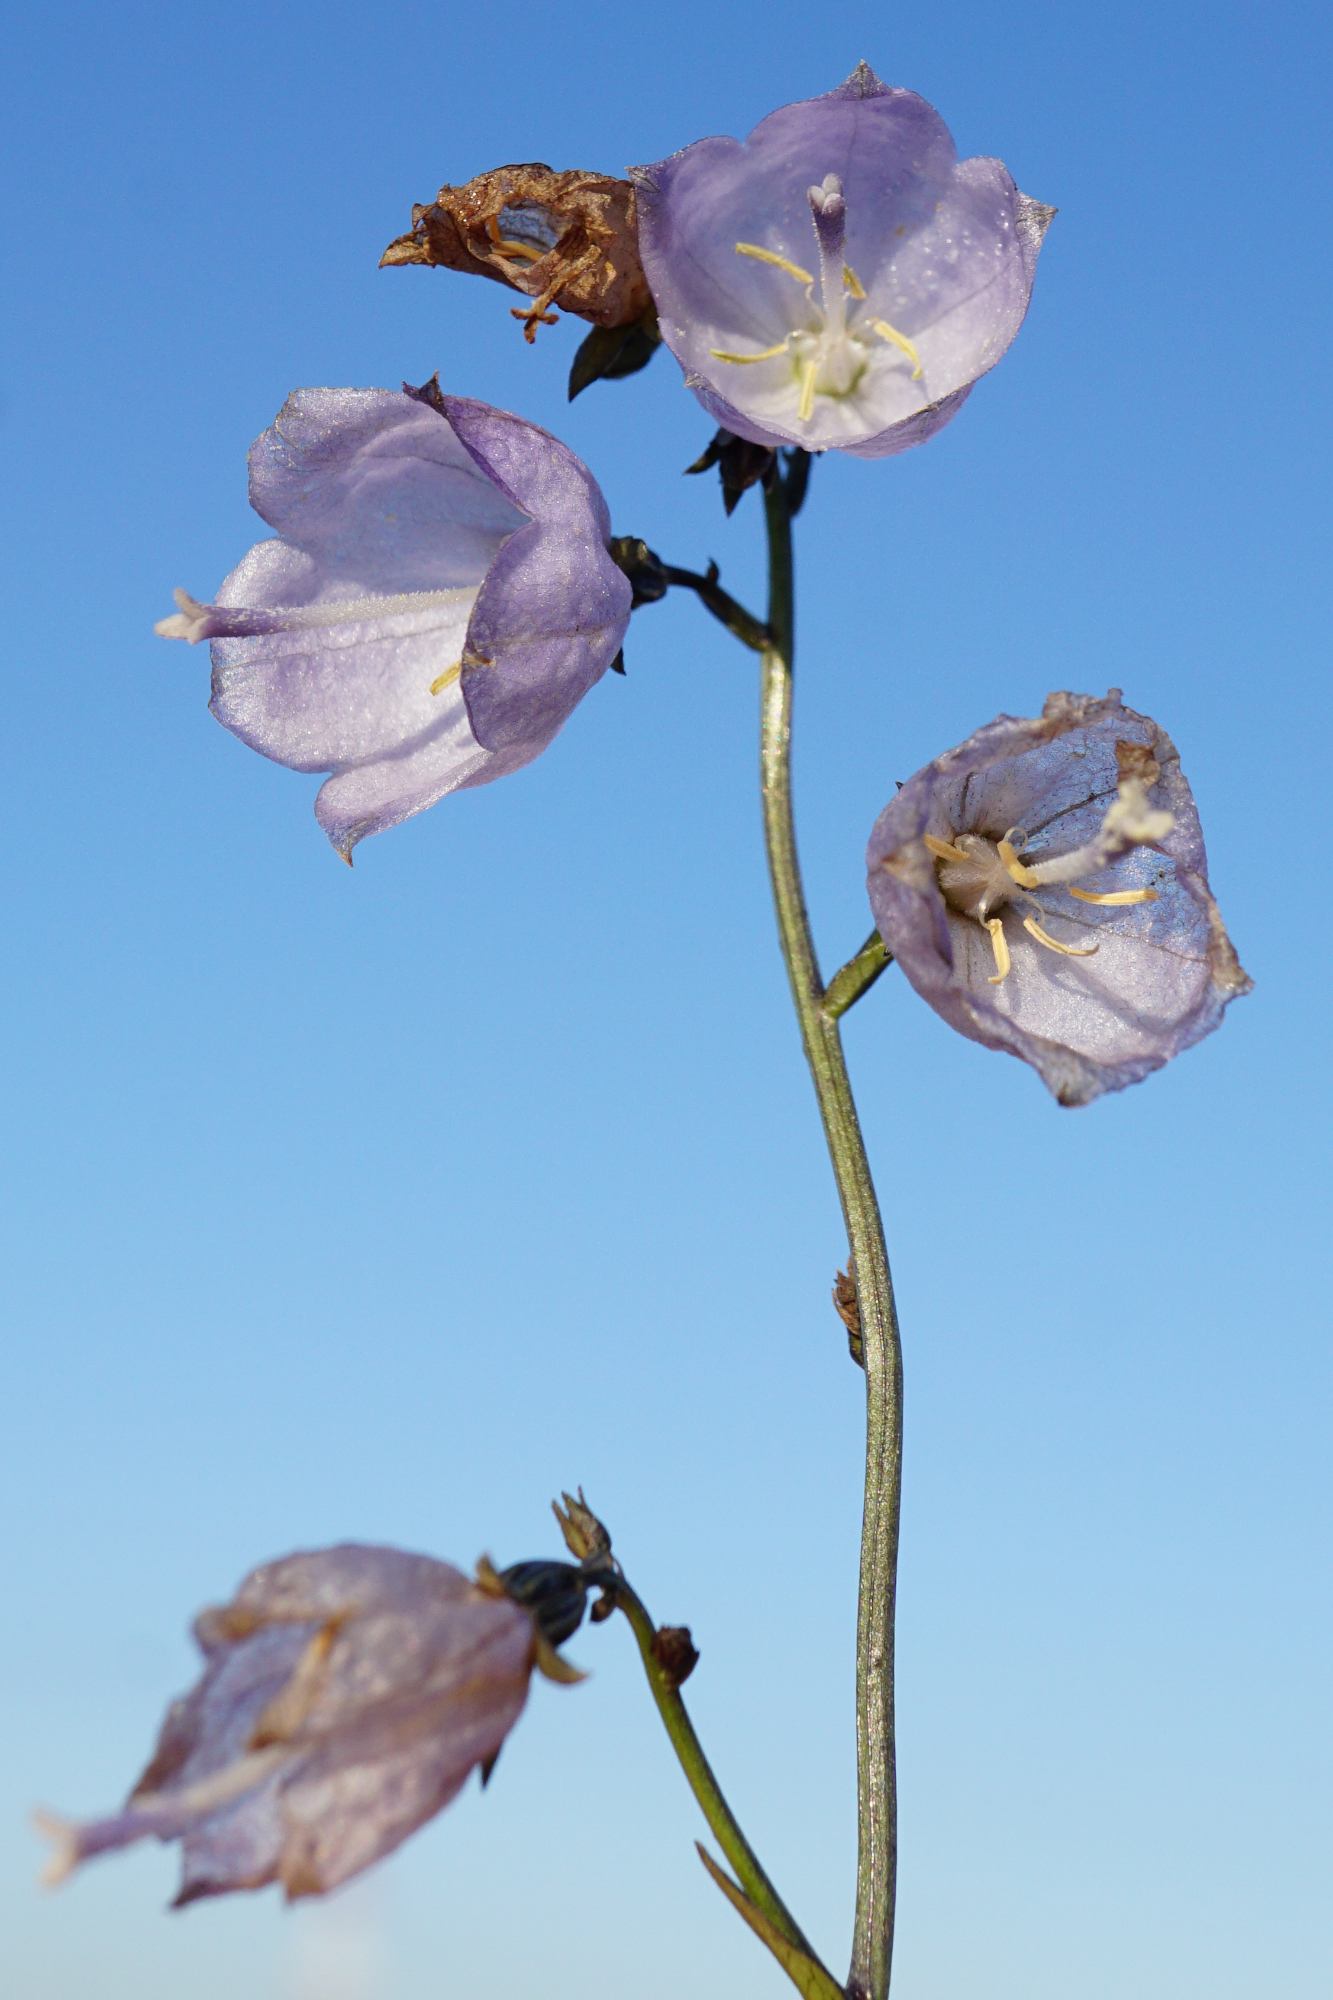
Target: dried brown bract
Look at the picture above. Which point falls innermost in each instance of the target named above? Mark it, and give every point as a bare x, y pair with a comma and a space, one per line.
566, 240
848, 1309
675, 1652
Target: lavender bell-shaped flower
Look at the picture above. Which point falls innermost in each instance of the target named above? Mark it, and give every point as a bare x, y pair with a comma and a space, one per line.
437, 601
348, 1693
1044, 886
841, 279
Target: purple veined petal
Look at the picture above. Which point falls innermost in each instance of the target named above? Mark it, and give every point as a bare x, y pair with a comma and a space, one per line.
378, 493
438, 601
554, 608
1127, 985
943, 250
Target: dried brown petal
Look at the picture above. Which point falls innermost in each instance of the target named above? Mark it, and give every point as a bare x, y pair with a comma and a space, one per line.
563, 239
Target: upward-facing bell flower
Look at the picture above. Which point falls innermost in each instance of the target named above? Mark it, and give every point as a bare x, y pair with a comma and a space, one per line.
436, 602
1044, 886
347, 1693
841, 279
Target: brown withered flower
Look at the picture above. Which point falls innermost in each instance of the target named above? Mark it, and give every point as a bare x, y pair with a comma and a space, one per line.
567, 240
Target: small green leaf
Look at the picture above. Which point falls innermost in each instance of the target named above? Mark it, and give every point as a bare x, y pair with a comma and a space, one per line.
609, 353
805, 1973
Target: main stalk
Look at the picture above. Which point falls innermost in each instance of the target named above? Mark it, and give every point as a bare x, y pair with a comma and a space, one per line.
877, 1790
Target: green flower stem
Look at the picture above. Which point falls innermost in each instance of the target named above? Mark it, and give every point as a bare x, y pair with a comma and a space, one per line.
742, 623
877, 1791
703, 1784
857, 976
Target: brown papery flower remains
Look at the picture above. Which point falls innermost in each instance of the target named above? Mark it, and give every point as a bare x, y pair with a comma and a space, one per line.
563, 239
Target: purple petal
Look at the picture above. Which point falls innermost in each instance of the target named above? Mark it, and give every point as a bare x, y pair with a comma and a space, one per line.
554, 607
377, 494
1164, 970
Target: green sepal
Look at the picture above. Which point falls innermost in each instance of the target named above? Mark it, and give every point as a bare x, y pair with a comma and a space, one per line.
806, 1973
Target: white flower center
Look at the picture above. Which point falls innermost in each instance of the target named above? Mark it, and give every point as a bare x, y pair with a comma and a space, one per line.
829, 357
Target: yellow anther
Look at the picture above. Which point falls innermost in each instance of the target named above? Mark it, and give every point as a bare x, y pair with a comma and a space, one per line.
1034, 929
509, 249
896, 339
852, 282
807, 402
767, 355
1025, 877
999, 944
941, 849
772, 257
1116, 897
447, 678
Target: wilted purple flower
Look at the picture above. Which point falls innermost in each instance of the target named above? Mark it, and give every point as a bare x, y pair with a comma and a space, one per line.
841, 279
1044, 887
438, 600
347, 1695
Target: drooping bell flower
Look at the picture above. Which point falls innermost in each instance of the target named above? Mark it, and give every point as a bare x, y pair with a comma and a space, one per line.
437, 600
346, 1696
1044, 886
840, 279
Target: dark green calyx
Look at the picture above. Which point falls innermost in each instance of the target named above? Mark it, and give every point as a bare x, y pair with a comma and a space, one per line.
646, 572
610, 353
554, 1592
795, 479
739, 463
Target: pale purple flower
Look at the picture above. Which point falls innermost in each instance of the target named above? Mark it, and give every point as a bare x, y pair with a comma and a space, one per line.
437, 601
841, 279
1044, 886
347, 1694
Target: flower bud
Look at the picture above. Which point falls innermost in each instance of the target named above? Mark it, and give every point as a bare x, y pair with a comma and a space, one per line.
584, 1534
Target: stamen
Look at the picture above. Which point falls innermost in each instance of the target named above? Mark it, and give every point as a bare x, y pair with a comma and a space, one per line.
286, 1713
1034, 929
1024, 877
896, 339
447, 678
999, 944
941, 849
852, 282
767, 354
772, 257
1115, 897
510, 249
807, 402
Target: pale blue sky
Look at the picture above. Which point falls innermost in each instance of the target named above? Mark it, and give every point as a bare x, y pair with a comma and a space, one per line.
383, 1204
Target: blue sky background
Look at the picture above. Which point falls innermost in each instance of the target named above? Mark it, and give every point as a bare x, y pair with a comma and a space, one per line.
383, 1204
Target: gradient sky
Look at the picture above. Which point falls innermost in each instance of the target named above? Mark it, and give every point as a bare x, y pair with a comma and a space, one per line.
384, 1204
